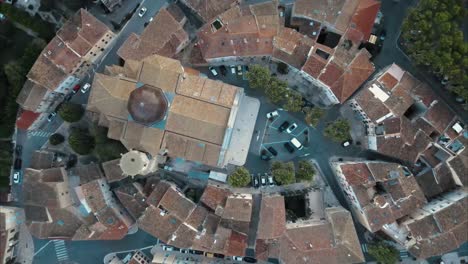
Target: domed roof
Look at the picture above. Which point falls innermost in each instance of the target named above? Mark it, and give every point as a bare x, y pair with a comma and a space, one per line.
147, 105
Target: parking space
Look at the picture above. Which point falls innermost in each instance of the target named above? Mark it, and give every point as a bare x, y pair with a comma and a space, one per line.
284, 137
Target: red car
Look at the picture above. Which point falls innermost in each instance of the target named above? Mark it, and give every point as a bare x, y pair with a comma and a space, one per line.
76, 88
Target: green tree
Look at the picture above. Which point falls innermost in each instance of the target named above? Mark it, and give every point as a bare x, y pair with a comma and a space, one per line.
305, 171
384, 253
293, 102
71, 112
106, 149
81, 141
258, 77
56, 139
276, 90
283, 173
239, 178
313, 115
338, 131
433, 37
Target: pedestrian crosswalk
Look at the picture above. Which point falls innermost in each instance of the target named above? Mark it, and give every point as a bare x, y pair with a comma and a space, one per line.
37, 133
60, 250
404, 254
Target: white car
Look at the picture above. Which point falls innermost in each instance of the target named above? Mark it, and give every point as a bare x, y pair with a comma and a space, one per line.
16, 177
291, 128
236, 258
346, 143
142, 11
272, 114
213, 71
270, 180
296, 143
184, 251
51, 116
239, 70
167, 248
85, 88
233, 69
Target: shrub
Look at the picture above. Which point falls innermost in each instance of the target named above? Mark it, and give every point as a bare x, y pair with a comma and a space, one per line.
306, 171
56, 139
283, 173
384, 253
338, 131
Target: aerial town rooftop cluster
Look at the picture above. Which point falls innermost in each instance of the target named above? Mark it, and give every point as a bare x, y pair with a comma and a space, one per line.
161, 109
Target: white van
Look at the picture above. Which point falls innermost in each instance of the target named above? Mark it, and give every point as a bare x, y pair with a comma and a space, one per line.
296, 143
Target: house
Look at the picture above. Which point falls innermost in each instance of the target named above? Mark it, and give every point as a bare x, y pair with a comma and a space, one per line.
10, 220
110, 5
380, 193
205, 10
76, 205
164, 35
332, 239
155, 106
321, 50
75, 50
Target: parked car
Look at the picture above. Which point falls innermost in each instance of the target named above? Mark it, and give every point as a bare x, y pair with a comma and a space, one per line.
283, 126
223, 70
18, 150
237, 258
265, 156
142, 11
249, 260
239, 69
16, 177
296, 143
213, 71
85, 88
209, 255
184, 250
270, 180
272, 115
346, 143
291, 128
167, 248
51, 116
273, 151
76, 88
289, 147
217, 255
233, 69
263, 180
196, 252
255, 181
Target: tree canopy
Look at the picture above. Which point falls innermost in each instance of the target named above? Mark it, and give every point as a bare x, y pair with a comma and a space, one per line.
338, 131
383, 253
293, 102
81, 141
313, 115
239, 178
283, 172
106, 149
56, 139
276, 90
433, 37
306, 171
71, 112
259, 77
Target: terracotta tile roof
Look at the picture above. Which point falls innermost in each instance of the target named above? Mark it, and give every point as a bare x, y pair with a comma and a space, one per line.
436, 246
314, 65
163, 36
356, 173
41, 159
291, 47
46, 74
176, 12
424, 228
132, 198
94, 195
272, 218
176, 204
460, 165
388, 80
214, 197
237, 244
440, 116
321, 10
197, 217
208, 9
452, 216
353, 77
158, 193
331, 73
364, 17
113, 171
82, 31
115, 226
183, 236
30, 96
153, 219
238, 207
